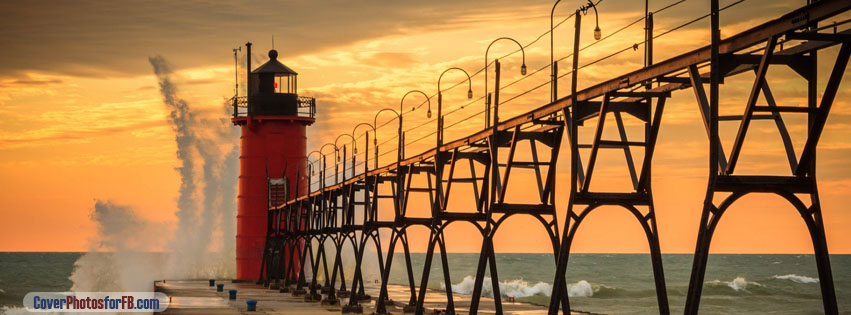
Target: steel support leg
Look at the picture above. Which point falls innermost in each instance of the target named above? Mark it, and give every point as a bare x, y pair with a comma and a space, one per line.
426, 270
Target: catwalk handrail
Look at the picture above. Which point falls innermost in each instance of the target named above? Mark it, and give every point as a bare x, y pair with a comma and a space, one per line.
792, 21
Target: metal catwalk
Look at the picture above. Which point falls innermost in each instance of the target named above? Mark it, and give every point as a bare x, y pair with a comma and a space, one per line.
307, 234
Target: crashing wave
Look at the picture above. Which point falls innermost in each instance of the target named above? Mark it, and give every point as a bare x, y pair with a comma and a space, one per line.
520, 288
739, 284
581, 289
796, 278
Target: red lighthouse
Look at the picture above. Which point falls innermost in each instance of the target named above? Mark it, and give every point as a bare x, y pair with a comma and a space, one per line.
273, 120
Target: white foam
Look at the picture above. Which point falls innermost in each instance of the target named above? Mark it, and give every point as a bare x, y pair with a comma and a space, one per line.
796, 278
580, 289
521, 288
739, 284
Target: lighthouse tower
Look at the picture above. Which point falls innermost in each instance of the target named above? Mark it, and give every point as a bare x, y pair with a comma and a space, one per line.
273, 120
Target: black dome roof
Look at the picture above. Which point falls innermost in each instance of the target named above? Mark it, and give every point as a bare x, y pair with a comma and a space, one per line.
274, 66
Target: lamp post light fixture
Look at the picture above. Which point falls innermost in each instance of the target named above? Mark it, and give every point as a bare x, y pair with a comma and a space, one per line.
553, 65
399, 139
337, 148
354, 149
440, 101
323, 148
310, 171
522, 72
597, 33
401, 113
402, 102
374, 145
310, 165
324, 162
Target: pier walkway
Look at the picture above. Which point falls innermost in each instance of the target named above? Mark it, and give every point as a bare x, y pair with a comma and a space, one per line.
198, 297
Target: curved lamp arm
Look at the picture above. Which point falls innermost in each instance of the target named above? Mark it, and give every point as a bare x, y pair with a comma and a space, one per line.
374, 145
375, 123
440, 101
323, 147
522, 67
324, 159
310, 165
402, 102
398, 136
375, 119
337, 148
469, 81
552, 58
440, 92
355, 149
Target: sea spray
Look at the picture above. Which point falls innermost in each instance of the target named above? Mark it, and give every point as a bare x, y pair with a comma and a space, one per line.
201, 244
192, 252
230, 174
739, 284
120, 259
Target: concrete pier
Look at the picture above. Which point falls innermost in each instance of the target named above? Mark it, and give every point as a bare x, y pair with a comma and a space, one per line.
198, 297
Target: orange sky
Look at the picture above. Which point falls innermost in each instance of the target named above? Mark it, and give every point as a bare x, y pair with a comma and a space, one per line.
81, 117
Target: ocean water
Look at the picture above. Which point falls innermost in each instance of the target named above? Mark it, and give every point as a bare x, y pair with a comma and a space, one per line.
21, 273
623, 283
600, 283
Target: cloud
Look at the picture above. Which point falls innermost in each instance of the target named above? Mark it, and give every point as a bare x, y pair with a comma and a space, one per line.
30, 82
95, 38
66, 118
388, 59
51, 135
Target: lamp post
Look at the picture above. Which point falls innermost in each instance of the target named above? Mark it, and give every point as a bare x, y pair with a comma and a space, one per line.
553, 64
399, 139
354, 147
487, 96
401, 111
324, 164
310, 169
440, 103
366, 154
487, 99
236, 80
